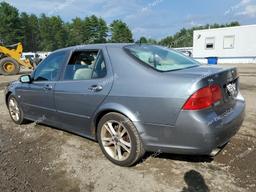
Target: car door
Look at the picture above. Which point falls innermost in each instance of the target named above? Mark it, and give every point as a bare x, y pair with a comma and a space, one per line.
38, 97
85, 83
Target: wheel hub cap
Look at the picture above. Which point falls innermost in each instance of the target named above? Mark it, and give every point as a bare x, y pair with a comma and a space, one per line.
8, 67
14, 110
116, 140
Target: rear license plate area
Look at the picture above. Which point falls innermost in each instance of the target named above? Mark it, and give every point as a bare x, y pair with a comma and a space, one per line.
230, 90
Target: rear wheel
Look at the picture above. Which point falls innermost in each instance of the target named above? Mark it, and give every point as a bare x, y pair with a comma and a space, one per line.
9, 66
119, 140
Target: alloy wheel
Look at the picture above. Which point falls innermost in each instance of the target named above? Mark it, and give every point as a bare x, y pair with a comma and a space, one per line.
14, 109
116, 140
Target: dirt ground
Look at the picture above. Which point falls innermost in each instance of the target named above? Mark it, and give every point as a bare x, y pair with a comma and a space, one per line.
39, 158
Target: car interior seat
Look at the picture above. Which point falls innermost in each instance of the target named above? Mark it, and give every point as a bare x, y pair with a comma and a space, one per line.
83, 74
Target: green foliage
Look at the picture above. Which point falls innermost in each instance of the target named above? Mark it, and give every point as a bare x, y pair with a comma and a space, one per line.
76, 31
184, 38
120, 32
96, 30
30, 31
46, 33
152, 41
90, 30
10, 30
53, 34
143, 40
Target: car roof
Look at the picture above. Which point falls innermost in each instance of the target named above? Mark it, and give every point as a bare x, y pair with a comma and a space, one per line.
93, 46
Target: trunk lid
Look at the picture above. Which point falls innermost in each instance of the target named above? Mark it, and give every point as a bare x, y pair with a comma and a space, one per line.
226, 78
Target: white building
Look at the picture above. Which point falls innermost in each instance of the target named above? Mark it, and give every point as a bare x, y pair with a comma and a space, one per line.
229, 45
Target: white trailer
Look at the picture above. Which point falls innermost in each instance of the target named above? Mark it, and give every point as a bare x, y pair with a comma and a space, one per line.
229, 44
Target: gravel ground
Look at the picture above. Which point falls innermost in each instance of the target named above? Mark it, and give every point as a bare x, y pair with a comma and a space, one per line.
40, 158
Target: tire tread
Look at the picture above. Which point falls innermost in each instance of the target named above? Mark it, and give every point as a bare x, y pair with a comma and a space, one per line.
139, 145
11, 60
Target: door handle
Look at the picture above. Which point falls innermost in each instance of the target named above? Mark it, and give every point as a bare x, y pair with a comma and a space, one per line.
95, 88
48, 87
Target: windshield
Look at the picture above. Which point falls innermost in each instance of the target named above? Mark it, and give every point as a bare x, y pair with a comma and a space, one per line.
160, 58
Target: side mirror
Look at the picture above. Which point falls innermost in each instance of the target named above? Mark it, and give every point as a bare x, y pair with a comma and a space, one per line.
25, 79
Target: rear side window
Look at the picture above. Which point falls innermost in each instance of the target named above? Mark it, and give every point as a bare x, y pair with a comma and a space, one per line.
160, 58
85, 65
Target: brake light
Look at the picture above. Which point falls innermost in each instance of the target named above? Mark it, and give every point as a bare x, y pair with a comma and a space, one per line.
203, 98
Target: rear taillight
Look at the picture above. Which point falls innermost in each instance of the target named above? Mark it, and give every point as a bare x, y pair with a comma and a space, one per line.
203, 98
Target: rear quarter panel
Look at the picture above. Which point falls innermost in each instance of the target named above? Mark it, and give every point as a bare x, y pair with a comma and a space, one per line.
153, 97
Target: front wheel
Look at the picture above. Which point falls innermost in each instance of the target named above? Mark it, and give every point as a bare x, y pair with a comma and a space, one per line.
15, 111
119, 140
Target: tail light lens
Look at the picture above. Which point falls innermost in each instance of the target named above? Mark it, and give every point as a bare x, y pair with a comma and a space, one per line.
204, 98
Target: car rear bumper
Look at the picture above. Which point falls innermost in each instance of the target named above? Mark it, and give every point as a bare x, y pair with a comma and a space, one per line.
195, 132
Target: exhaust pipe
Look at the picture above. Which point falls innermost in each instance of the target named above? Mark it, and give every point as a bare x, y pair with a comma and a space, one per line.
215, 152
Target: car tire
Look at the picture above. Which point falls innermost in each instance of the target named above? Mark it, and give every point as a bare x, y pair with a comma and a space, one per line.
9, 66
15, 111
119, 140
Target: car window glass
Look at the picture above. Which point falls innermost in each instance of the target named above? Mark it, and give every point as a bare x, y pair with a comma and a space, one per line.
85, 65
160, 58
49, 69
100, 70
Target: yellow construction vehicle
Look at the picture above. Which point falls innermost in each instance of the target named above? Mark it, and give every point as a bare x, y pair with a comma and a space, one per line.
10, 59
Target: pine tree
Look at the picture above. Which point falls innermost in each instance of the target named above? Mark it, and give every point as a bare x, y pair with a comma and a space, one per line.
120, 32
10, 30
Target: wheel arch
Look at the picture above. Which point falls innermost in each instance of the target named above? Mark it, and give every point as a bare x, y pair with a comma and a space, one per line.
7, 97
108, 108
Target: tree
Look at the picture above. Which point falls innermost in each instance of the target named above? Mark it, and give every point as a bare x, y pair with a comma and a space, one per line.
233, 24
76, 32
59, 32
120, 32
184, 38
152, 41
90, 30
45, 36
143, 40
103, 31
10, 30
53, 34
30, 32
95, 30
49, 33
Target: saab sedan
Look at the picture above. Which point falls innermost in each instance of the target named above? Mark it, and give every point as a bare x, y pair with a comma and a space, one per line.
132, 98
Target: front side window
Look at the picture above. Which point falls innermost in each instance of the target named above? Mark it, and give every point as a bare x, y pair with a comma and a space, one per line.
49, 69
85, 65
160, 58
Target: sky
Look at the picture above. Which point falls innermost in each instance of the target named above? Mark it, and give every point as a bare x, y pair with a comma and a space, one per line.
152, 18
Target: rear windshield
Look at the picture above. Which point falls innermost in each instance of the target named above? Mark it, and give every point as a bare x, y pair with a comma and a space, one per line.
160, 58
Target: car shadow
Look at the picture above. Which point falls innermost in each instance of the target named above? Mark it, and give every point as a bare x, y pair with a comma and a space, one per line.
195, 182
160, 155
70, 133
187, 158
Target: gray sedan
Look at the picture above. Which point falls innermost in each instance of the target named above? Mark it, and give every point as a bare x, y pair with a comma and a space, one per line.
132, 98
